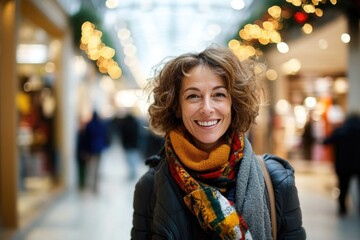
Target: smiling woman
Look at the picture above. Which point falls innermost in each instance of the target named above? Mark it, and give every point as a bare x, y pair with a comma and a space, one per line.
207, 183
235, 79
205, 107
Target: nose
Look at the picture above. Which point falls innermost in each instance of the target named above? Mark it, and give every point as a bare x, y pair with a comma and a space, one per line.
207, 106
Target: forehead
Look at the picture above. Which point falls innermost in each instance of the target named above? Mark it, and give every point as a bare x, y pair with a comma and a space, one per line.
202, 74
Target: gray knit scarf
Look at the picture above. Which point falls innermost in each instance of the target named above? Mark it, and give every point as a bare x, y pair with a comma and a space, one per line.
251, 200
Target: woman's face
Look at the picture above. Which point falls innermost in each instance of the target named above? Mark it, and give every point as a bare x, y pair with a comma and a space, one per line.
205, 107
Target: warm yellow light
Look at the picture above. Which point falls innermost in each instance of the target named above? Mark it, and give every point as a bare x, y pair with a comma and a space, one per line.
264, 41
115, 72
250, 50
292, 66
275, 36
267, 25
271, 74
94, 41
94, 54
307, 28
265, 34
255, 31
102, 69
87, 25
275, 11
107, 52
83, 46
315, 2
234, 44
319, 12
341, 85
244, 34
295, 2
309, 8
96, 50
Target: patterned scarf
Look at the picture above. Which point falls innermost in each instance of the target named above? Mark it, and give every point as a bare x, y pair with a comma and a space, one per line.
209, 183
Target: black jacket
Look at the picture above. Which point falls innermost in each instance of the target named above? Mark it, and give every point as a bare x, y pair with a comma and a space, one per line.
160, 213
288, 211
345, 141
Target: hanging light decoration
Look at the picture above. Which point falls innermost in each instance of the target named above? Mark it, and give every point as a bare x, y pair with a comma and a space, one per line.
301, 17
275, 20
96, 50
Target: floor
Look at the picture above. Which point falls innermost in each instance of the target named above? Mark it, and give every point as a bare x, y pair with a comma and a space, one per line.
108, 214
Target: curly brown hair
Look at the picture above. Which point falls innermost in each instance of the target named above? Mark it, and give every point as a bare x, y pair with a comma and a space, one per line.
240, 81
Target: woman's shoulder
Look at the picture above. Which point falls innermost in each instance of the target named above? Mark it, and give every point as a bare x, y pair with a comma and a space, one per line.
282, 176
170, 217
286, 195
279, 169
155, 176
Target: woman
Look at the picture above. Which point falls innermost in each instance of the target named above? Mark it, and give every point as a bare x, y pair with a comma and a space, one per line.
207, 183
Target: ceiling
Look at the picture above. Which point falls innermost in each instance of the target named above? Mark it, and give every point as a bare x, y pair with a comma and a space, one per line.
168, 28
163, 28
160, 28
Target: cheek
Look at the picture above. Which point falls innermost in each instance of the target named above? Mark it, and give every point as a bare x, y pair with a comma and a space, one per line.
228, 113
187, 110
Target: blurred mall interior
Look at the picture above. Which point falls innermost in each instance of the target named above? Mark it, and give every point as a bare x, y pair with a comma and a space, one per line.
60, 60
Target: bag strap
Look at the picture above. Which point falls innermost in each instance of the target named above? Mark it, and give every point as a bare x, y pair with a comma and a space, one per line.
270, 190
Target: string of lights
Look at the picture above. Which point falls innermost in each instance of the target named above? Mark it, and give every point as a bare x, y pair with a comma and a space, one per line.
253, 37
96, 50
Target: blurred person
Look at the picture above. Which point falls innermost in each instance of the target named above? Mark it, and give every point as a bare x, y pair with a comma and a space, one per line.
81, 156
345, 140
129, 133
95, 142
207, 183
308, 139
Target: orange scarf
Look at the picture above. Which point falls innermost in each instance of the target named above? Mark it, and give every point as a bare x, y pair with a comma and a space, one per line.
205, 177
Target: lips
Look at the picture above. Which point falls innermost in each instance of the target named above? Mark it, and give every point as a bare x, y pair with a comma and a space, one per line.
207, 123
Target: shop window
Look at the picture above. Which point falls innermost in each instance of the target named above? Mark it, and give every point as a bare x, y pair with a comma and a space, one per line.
36, 103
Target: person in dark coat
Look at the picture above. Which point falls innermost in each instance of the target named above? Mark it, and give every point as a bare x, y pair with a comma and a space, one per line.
308, 139
81, 157
207, 183
95, 140
129, 133
346, 141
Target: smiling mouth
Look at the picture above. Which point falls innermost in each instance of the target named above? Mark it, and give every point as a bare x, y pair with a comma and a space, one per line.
207, 123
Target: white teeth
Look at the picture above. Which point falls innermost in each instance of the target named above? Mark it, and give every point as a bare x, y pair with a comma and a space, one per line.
207, 124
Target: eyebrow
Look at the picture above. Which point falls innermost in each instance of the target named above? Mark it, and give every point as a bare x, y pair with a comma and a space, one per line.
197, 89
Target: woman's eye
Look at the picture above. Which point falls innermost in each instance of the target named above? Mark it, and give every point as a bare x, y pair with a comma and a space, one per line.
192, 96
220, 95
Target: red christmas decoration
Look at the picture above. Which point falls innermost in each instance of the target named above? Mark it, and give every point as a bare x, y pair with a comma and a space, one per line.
301, 17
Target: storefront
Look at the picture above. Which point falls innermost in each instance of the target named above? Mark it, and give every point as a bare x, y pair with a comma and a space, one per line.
37, 134
38, 166
310, 93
